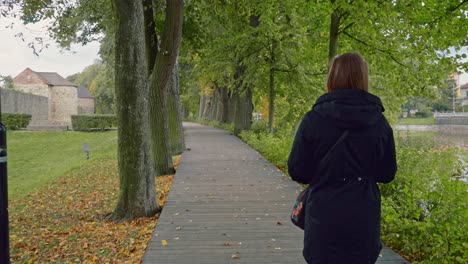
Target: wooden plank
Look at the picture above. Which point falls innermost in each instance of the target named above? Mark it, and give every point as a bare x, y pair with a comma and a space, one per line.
227, 200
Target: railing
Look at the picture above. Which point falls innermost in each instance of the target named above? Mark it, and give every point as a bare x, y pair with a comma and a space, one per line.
450, 115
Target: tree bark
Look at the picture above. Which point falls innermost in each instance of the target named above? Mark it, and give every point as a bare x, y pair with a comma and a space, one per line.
207, 107
201, 107
232, 104
271, 104
214, 103
176, 131
137, 193
334, 33
222, 108
244, 109
163, 67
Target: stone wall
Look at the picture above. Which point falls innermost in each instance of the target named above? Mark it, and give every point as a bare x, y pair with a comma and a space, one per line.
36, 89
62, 104
18, 102
85, 106
455, 120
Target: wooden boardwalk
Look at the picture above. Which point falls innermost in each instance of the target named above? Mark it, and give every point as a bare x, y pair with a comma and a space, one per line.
228, 205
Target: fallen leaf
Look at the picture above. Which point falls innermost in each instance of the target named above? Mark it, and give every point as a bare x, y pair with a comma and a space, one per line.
163, 243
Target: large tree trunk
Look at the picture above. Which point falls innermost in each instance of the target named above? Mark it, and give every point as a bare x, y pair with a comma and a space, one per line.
137, 193
176, 131
232, 104
214, 104
207, 107
163, 67
244, 109
201, 107
222, 108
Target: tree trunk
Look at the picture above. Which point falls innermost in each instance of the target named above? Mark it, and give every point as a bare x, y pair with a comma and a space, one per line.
201, 107
163, 67
232, 104
334, 33
176, 131
244, 109
271, 105
137, 193
207, 107
222, 108
214, 104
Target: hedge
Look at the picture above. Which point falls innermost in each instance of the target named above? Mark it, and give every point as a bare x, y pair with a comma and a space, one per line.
93, 122
423, 114
14, 121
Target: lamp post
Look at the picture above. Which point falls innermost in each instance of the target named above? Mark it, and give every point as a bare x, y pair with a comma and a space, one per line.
4, 229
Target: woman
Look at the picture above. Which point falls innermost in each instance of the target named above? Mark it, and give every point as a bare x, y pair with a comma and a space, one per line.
342, 223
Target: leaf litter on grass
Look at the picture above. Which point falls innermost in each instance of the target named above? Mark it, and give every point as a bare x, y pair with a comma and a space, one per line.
66, 221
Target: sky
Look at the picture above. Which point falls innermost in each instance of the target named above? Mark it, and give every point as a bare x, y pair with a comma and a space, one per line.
15, 55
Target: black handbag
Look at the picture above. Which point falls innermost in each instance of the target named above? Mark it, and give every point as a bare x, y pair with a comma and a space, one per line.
299, 208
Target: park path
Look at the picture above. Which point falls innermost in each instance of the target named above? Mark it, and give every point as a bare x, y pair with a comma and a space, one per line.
228, 205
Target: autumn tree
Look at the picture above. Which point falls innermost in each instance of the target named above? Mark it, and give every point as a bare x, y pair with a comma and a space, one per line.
143, 66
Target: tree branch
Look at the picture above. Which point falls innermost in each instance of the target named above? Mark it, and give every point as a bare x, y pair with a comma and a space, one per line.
376, 48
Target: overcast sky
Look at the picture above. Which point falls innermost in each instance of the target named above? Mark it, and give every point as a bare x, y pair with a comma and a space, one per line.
15, 55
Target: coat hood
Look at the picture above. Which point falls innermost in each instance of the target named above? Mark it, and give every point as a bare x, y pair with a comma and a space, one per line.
350, 108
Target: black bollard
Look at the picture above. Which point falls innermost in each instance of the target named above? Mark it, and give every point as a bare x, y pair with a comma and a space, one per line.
4, 229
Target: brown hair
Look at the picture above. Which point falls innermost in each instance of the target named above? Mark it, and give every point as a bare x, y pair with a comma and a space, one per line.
348, 71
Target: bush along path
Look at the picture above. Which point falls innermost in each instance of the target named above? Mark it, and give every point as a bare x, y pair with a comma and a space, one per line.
228, 205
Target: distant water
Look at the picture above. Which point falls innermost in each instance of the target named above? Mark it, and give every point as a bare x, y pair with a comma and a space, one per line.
435, 138
438, 139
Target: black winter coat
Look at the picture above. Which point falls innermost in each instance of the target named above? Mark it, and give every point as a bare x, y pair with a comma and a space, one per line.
343, 208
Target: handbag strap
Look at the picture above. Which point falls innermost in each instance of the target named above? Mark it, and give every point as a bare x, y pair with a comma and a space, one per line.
325, 157
340, 139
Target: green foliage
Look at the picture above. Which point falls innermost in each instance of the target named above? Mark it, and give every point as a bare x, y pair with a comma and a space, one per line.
14, 121
423, 114
99, 79
6, 82
37, 158
93, 122
417, 121
424, 211
260, 126
275, 149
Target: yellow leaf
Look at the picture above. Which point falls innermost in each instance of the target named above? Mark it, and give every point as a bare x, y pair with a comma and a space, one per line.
163, 243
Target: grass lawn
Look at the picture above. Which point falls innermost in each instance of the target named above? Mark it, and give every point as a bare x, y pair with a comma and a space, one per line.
417, 121
37, 158
59, 200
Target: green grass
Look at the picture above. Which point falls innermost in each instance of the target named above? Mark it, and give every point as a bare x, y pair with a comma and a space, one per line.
37, 158
417, 121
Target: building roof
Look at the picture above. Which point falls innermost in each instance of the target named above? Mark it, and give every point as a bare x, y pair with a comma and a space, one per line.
53, 78
464, 86
83, 92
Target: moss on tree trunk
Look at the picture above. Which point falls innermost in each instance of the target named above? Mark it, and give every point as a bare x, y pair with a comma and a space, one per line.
137, 194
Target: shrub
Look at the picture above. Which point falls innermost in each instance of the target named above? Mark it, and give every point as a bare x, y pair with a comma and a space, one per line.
274, 149
424, 209
424, 114
15, 121
259, 126
93, 122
